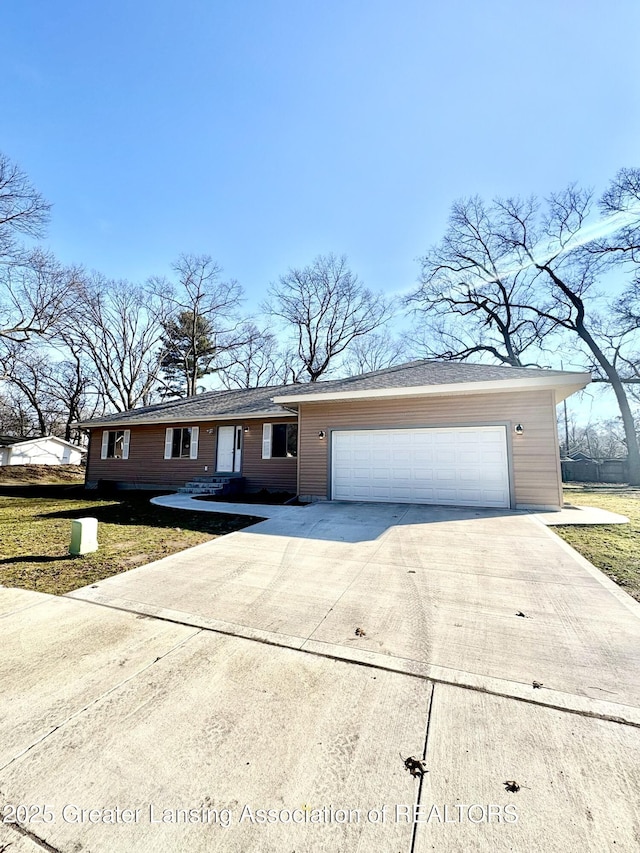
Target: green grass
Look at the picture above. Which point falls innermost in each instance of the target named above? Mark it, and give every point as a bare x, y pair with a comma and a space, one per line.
35, 525
613, 548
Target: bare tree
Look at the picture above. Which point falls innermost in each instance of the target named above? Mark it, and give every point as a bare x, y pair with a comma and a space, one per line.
118, 327
471, 291
525, 272
375, 352
598, 439
202, 327
256, 362
23, 367
36, 292
34, 288
325, 308
568, 271
72, 392
619, 249
15, 418
22, 209
51, 394
621, 202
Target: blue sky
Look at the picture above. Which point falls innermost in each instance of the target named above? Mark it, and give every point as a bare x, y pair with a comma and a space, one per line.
265, 133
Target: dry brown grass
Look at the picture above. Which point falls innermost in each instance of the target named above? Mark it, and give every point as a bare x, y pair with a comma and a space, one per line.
40, 474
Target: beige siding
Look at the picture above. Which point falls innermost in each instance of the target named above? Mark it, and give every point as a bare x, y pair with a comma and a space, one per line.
272, 474
534, 454
146, 464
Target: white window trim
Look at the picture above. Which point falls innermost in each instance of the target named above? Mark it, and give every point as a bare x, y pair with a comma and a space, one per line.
267, 439
193, 448
104, 449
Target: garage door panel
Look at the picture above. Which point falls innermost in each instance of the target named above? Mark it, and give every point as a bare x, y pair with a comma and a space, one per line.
465, 475
469, 437
381, 494
402, 472
447, 473
492, 457
463, 466
440, 437
493, 478
492, 496
423, 458
346, 458
361, 455
423, 477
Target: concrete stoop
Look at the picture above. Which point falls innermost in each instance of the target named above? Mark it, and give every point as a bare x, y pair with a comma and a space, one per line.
216, 485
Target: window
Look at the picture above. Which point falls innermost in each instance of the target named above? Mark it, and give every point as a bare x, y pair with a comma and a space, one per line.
181, 443
279, 441
115, 444
181, 448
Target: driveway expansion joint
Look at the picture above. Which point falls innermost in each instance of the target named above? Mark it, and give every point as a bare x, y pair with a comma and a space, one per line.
557, 700
414, 834
26, 833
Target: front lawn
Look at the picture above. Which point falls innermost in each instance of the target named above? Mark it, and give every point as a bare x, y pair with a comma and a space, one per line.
613, 548
35, 528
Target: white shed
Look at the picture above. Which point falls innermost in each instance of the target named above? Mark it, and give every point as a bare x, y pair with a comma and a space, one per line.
47, 450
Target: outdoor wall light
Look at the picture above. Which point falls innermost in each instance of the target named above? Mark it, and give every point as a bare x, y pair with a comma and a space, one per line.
518, 429
321, 434
246, 430
211, 430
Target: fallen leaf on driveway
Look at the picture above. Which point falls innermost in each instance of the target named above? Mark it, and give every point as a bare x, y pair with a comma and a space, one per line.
415, 766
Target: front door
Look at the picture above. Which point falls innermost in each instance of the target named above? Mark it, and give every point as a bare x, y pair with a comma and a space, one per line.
229, 452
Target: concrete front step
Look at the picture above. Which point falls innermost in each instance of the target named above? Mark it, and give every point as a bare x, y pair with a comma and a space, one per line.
212, 486
200, 489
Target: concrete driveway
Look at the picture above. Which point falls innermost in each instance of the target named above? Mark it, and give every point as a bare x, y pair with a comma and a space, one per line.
295, 664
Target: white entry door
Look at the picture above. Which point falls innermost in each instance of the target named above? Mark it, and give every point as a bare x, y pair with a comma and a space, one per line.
464, 466
229, 452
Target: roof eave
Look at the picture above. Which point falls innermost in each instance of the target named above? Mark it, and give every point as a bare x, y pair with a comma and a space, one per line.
125, 422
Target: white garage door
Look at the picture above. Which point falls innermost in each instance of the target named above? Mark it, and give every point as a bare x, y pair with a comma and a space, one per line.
466, 466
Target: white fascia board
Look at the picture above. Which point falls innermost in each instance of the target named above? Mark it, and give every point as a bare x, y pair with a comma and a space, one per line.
562, 385
98, 424
567, 390
38, 440
61, 441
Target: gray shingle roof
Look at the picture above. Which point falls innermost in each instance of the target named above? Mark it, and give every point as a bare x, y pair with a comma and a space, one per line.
248, 402
8, 440
258, 401
425, 372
